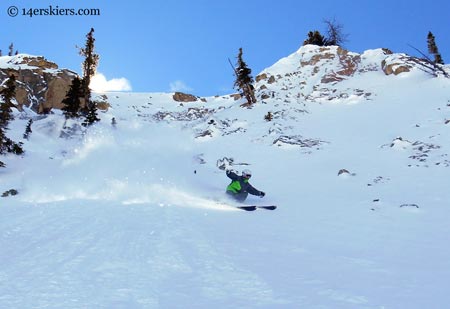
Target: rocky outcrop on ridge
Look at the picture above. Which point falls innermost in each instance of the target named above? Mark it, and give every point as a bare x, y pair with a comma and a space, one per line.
318, 74
41, 85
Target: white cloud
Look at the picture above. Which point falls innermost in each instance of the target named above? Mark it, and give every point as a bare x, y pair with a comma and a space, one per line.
99, 83
179, 85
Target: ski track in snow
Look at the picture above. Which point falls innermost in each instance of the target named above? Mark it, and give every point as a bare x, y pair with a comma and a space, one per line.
102, 255
95, 257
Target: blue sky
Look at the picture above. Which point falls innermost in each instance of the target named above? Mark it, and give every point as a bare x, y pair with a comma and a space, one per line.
166, 45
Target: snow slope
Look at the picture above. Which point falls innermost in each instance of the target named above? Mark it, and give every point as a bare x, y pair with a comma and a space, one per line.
134, 215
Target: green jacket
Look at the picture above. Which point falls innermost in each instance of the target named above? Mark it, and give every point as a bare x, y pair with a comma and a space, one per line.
240, 184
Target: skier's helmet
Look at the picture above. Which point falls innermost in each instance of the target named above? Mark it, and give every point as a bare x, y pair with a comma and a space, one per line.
247, 173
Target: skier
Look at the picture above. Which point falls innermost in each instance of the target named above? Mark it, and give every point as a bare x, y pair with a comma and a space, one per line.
239, 188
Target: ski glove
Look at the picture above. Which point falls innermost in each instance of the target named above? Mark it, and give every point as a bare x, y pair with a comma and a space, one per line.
262, 194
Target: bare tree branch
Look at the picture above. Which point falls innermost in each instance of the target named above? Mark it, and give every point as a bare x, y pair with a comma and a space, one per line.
430, 64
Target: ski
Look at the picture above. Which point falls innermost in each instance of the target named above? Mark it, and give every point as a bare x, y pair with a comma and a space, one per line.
254, 207
270, 207
247, 208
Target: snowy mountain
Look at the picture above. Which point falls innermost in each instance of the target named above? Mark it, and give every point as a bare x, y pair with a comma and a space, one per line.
134, 215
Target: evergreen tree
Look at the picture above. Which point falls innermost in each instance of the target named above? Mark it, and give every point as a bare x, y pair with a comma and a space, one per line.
89, 66
28, 130
335, 35
3, 142
315, 38
244, 79
7, 94
91, 116
3, 139
433, 49
72, 101
11, 49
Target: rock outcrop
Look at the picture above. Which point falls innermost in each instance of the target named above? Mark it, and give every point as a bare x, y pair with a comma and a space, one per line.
41, 85
318, 74
184, 97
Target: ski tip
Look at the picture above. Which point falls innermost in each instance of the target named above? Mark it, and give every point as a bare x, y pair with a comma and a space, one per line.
271, 207
247, 208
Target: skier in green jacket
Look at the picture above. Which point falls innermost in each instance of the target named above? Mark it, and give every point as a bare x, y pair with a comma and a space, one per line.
239, 188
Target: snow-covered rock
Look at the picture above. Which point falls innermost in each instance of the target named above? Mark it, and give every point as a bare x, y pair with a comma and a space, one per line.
41, 85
